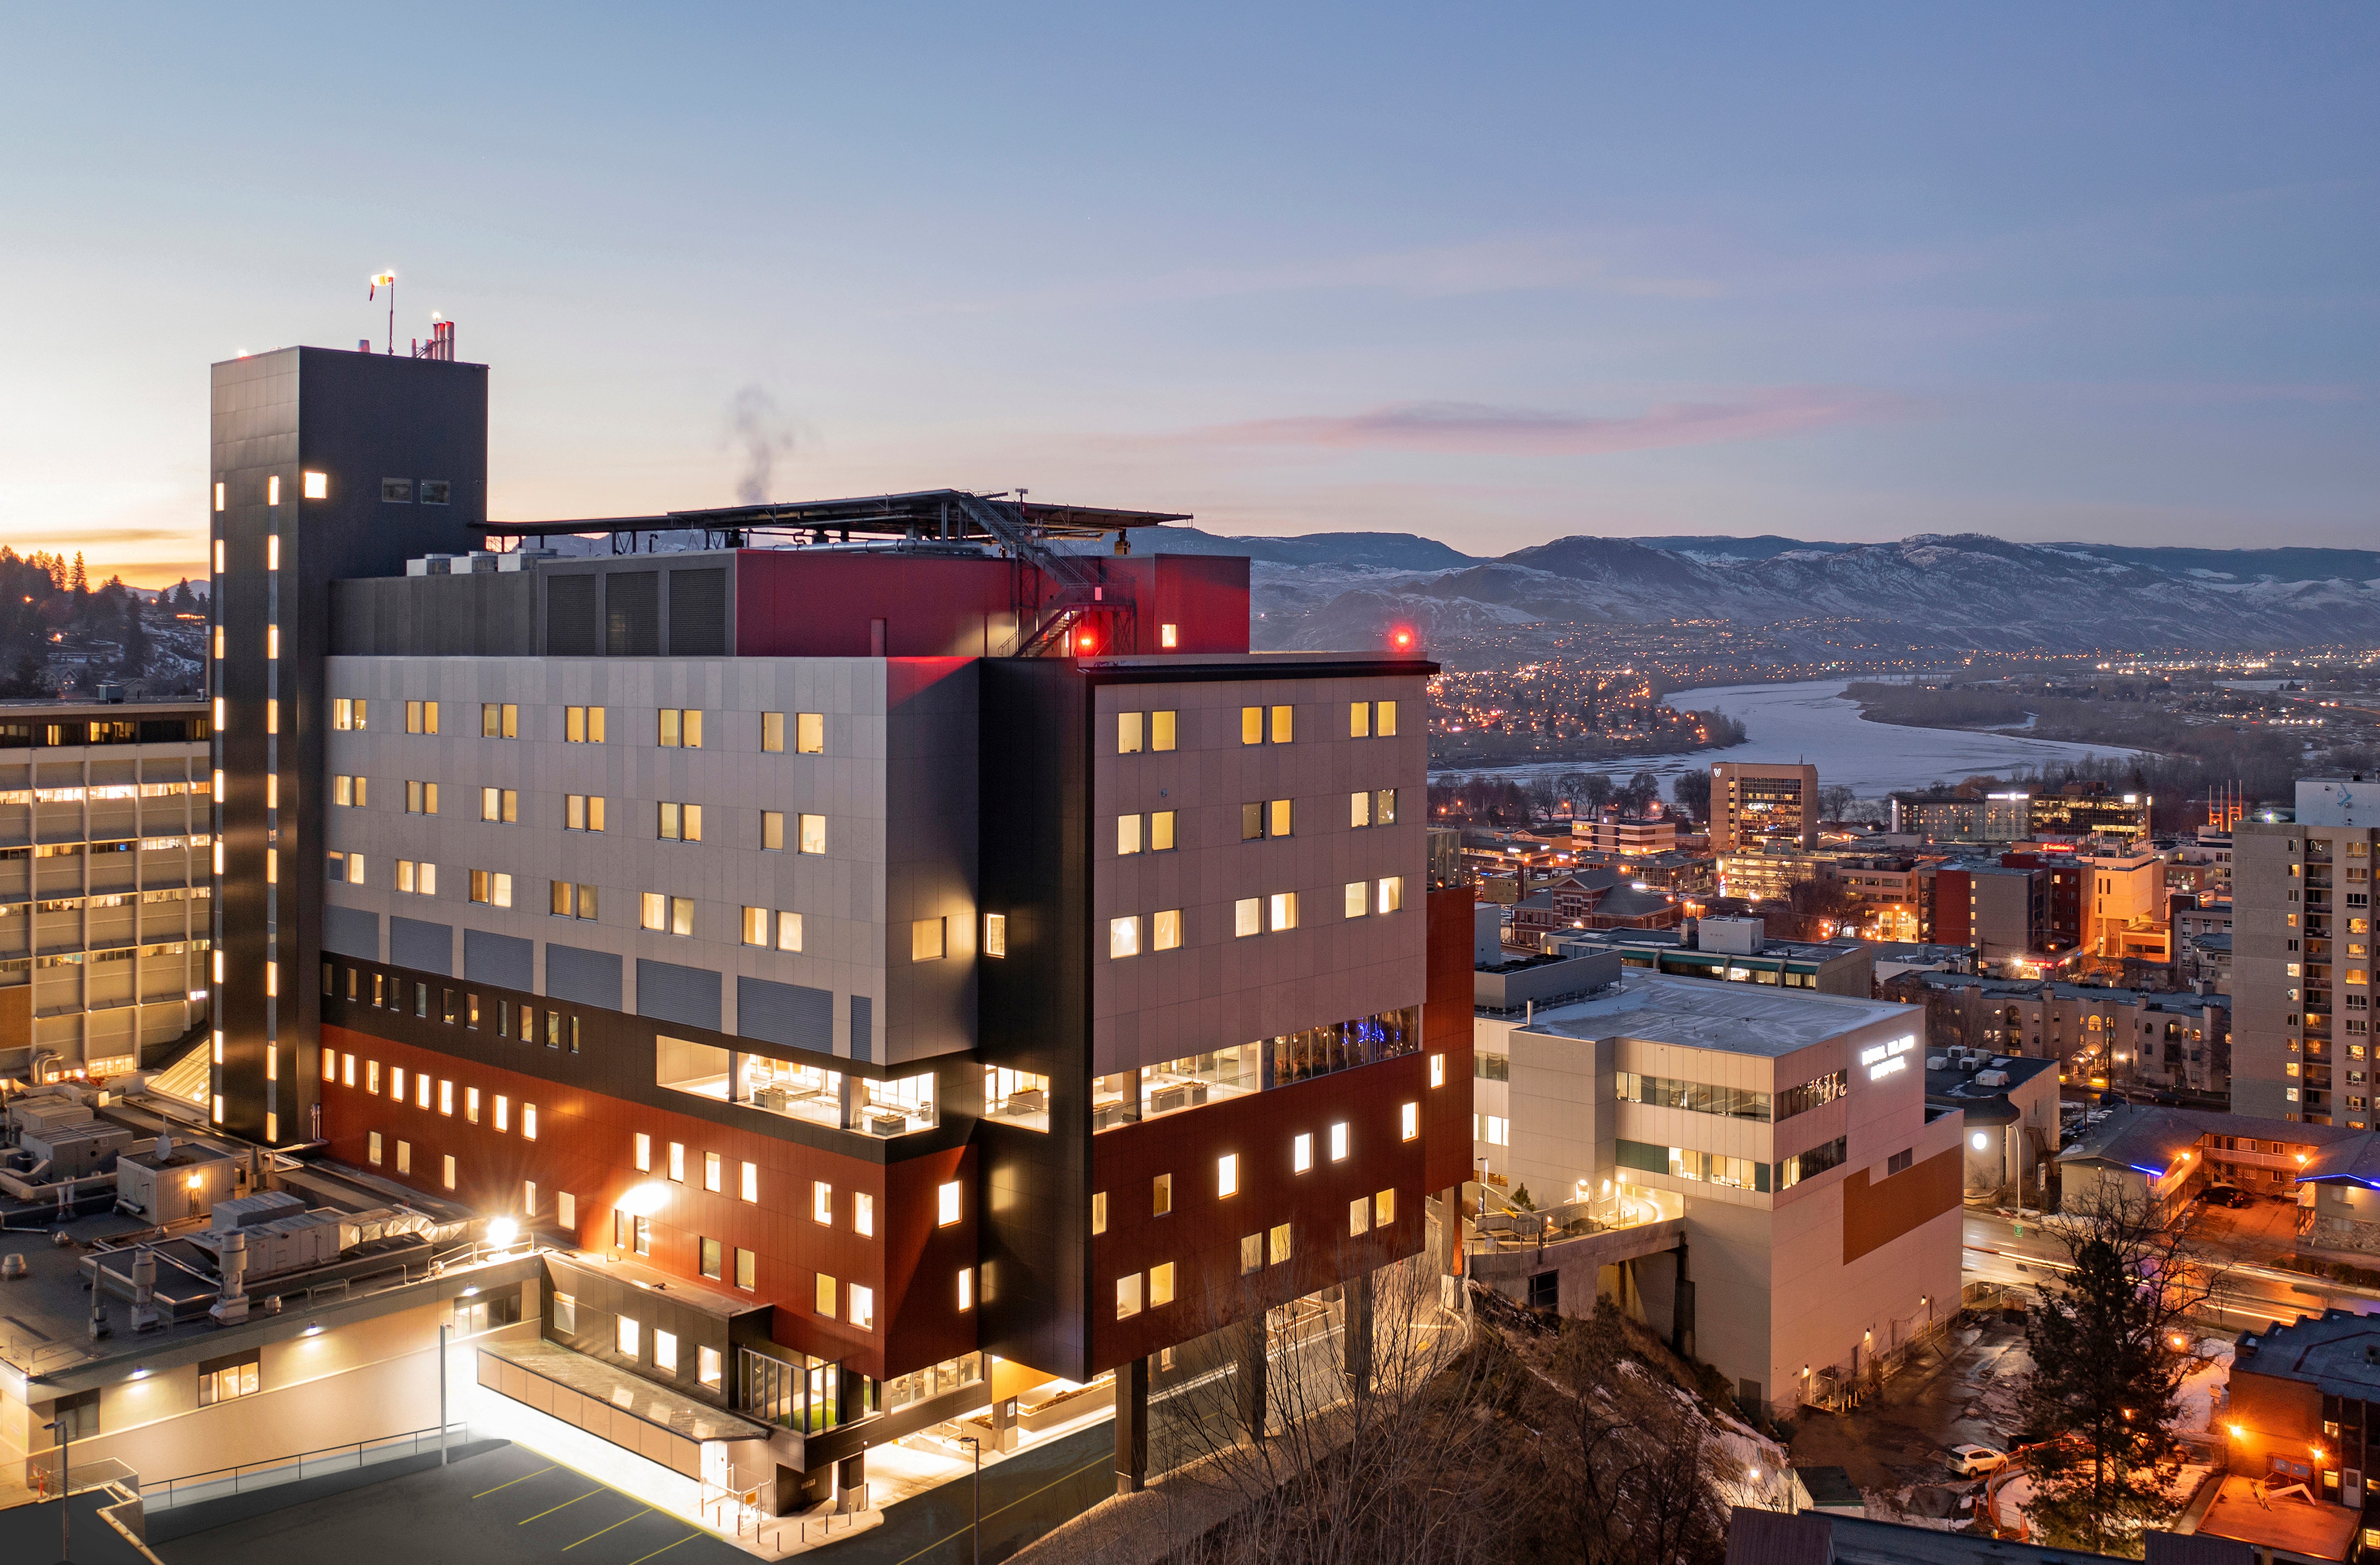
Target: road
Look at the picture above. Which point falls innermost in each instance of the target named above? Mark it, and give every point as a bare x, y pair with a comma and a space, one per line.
2247, 1295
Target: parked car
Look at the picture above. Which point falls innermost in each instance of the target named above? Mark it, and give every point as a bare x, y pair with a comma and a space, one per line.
1976, 1461
2225, 1195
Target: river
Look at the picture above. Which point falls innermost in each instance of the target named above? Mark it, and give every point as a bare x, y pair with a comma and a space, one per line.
1812, 721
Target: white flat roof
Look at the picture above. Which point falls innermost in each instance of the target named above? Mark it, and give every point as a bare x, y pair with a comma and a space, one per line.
1734, 1018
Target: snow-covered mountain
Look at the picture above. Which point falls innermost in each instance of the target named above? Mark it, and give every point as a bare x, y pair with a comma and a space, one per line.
1967, 591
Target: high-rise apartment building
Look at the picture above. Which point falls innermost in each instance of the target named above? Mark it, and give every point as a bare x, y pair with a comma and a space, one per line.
2302, 957
1757, 802
926, 940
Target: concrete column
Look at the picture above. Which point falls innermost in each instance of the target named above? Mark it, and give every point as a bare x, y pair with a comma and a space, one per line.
851, 1482
1003, 1424
1358, 1296
1450, 1231
1132, 1427
1251, 1377
1682, 1310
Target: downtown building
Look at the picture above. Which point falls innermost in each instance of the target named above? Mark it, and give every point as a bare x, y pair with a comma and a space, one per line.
952, 965
2302, 957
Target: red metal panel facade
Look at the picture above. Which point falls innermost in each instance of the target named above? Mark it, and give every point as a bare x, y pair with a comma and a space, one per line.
1445, 1035
586, 1146
1201, 1236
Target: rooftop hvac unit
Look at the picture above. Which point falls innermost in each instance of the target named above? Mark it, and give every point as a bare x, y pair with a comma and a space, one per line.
1991, 1078
1937, 1062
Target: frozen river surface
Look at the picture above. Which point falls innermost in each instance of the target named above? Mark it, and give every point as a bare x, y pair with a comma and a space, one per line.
1812, 721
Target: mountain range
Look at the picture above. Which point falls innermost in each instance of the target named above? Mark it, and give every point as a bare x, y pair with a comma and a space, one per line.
1962, 592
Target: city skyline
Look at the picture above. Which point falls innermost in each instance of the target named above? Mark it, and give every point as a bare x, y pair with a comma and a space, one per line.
1849, 278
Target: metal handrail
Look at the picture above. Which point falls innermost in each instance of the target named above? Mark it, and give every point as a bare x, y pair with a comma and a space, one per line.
159, 1496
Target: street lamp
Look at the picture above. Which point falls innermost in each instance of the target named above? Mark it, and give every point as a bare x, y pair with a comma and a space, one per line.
63, 1426
974, 1528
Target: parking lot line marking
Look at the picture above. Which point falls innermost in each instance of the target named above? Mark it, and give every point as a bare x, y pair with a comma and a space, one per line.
621, 1522
664, 1550
527, 1520
522, 1479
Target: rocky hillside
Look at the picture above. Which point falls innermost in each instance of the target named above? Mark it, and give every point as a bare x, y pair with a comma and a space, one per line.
1968, 591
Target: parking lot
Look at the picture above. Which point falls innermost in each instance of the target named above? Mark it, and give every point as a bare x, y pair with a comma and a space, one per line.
509, 1504
1895, 1443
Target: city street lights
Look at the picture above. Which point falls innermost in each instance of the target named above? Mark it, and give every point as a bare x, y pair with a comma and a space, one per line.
974, 1528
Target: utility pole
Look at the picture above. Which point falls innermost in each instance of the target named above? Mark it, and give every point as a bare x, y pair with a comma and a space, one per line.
64, 1428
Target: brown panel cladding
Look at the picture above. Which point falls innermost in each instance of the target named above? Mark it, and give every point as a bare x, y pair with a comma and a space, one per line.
1446, 1031
1201, 1236
1875, 1215
585, 1145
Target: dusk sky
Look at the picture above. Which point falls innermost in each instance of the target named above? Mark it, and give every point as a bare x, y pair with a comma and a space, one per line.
1491, 275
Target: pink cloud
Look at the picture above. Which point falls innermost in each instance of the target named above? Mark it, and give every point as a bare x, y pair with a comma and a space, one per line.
1480, 429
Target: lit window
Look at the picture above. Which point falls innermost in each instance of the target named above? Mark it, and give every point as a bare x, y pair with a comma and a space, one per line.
863, 1307
1124, 936
447, 1099
680, 916
995, 934
1359, 722
626, 1335
1438, 1070
789, 931
1098, 1211
809, 734
1283, 910
1251, 1253
750, 1190
219, 496
1161, 727
318, 486
1392, 893
1277, 816
773, 830
1165, 932
1359, 899
706, 1367
655, 911
665, 1350
1160, 832
1359, 1210
1127, 834
221, 1380
1129, 726
713, 1171
1169, 637
1409, 1121
755, 925
371, 1151
1127, 1296
1160, 1284
772, 732
528, 1121
1281, 723
1384, 1208
827, 1295
1385, 725
1339, 1142
644, 1153
821, 1202
1227, 1174
1359, 808
503, 1112
747, 1271
966, 1288
946, 1205
863, 1214
927, 940
1300, 1155
448, 1172
405, 1157
1279, 1243
1251, 725
812, 838
1247, 916
1160, 1194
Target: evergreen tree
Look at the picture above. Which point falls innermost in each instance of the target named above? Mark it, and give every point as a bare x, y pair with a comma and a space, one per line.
135, 638
2107, 1360
1692, 790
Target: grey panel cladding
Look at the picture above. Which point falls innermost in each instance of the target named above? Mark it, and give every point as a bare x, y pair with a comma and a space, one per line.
791, 1015
351, 931
570, 621
590, 977
697, 613
632, 614
671, 993
506, 960
863, 1028
485, 611
414, 943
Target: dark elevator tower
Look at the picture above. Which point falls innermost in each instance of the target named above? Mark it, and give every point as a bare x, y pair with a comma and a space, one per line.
324, 464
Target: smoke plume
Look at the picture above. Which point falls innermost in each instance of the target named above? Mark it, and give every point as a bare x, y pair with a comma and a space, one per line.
759, 429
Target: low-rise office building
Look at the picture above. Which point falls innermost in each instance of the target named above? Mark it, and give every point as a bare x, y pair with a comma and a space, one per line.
2164, 1155
2304, 1407
2011, 1109
106, 884
2100, 1036
1786, 1134
1736, 951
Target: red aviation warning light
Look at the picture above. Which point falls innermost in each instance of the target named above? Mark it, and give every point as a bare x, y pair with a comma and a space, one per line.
1401, 638
1085, 641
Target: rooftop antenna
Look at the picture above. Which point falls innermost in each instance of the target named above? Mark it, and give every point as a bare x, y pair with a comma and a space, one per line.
385, 280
